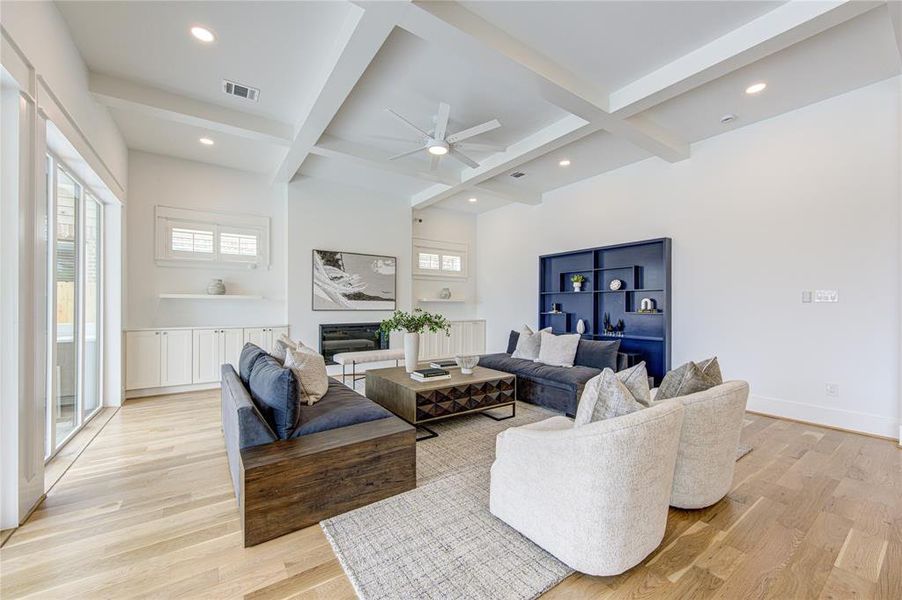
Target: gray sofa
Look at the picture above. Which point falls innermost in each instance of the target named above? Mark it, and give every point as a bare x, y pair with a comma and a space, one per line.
557, 388
293, 465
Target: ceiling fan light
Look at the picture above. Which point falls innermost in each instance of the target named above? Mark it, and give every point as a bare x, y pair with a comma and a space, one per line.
438, 148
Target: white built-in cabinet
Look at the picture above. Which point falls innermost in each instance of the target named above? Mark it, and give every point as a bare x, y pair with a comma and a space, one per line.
165, 358
466, 337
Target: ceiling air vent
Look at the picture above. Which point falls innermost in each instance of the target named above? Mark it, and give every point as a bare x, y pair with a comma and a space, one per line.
246, 92
517, 174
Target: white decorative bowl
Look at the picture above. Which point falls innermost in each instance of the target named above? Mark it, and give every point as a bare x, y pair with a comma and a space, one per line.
466, 363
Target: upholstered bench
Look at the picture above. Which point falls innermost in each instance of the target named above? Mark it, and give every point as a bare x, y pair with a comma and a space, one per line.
363, 357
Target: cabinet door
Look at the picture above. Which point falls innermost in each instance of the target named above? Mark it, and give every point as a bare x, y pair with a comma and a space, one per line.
231, 343
206, 350
142, 359
175, 357
277, 331
260, 336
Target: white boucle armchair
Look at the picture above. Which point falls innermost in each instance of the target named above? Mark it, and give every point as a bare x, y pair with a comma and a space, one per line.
596, 496
707, 455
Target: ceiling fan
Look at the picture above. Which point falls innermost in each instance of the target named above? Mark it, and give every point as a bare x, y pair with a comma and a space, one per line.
438, 142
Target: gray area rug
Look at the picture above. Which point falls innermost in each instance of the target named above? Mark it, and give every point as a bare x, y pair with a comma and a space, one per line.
440, 541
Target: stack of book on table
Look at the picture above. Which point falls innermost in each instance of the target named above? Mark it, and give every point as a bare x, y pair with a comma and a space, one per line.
448, 363
432, 374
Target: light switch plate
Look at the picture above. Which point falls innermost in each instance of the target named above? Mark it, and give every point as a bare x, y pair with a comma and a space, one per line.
826, 296
806, 296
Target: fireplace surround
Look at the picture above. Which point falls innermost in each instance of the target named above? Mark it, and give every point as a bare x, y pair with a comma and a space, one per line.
349, 337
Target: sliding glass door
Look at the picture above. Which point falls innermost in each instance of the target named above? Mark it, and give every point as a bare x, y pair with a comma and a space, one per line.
75, 295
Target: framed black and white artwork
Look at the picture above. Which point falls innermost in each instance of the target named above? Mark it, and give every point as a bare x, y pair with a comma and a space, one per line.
352, 281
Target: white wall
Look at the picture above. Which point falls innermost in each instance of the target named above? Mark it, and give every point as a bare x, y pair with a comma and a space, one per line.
807, 200
39, 31
155, 179
326, 216
448, 226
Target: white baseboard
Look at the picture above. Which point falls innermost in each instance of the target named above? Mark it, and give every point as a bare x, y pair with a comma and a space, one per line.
176, 389
831, 417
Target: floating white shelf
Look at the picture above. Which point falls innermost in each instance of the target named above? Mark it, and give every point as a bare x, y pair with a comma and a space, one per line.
443, 301
210, 297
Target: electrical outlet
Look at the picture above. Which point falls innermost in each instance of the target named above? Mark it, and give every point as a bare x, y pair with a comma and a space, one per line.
806, 296
832, 390
826, 296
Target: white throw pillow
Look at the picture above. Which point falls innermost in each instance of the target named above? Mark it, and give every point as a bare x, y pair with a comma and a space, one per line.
309, 370
281, 345
635, 379
528, 343
604, 397
558, 350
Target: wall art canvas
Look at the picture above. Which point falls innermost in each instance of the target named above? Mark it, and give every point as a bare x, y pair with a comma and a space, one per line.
351, 281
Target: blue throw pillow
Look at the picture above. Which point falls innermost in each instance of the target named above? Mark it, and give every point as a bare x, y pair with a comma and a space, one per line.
274, 390
249, 355
512, 341
597, 353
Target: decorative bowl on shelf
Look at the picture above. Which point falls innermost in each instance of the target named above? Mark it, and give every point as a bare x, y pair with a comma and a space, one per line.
466, 363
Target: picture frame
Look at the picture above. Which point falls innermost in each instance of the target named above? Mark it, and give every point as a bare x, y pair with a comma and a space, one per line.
353, 281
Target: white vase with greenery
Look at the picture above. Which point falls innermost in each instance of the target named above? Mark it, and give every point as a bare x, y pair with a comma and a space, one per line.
413, 324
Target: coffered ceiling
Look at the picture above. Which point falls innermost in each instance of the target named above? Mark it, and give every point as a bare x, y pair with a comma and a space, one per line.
598, 84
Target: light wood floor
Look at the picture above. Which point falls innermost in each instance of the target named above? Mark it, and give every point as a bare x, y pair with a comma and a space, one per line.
147, 511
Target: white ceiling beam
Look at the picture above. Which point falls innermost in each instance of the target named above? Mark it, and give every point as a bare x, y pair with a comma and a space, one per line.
357, 45
508, 193
139, 98
782, 27
565, 131
332, 147
463, 32
895, 16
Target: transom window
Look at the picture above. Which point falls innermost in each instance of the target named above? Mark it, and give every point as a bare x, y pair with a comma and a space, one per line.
186, 236
437, 259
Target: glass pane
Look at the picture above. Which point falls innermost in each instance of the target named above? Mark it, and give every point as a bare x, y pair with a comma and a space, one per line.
238, 244
65, 376
192, 240
450, 263
92, 297
428, 261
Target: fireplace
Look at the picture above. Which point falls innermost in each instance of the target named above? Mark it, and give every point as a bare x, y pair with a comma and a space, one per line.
349, 337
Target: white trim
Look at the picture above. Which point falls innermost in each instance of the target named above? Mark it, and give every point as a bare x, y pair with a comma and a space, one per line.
176, 389
833, 417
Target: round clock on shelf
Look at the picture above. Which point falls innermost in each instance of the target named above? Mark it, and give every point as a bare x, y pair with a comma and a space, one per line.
615, 284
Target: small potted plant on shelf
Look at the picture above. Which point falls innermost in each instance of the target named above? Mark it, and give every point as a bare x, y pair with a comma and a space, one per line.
577, 281
413, 324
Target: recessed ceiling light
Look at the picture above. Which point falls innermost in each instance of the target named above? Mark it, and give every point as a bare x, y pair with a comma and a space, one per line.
206, 141
564, 163
473, 199
203, 34
756, 88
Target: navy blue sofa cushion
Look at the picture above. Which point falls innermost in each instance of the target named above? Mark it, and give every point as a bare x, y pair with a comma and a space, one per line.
571, 379
598, 354
249, 355
340, 407
275, 392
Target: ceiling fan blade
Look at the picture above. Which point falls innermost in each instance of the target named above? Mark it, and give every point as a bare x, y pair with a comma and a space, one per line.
463, 158
408, 153
433, 165
406, 122
441, 121
483, 147
472, 131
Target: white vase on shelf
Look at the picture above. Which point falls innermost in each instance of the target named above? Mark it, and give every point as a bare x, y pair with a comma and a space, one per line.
411, 351
216, 287
580, 327
577, 286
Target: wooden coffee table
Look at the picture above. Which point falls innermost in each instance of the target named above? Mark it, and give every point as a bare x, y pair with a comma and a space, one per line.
419, 403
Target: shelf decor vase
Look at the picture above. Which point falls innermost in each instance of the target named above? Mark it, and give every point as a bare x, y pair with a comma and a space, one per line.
580, 327
411, 351
445, 294
216, 287
577, 286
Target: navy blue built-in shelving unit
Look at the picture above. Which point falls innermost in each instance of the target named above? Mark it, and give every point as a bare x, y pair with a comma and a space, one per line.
643, 267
